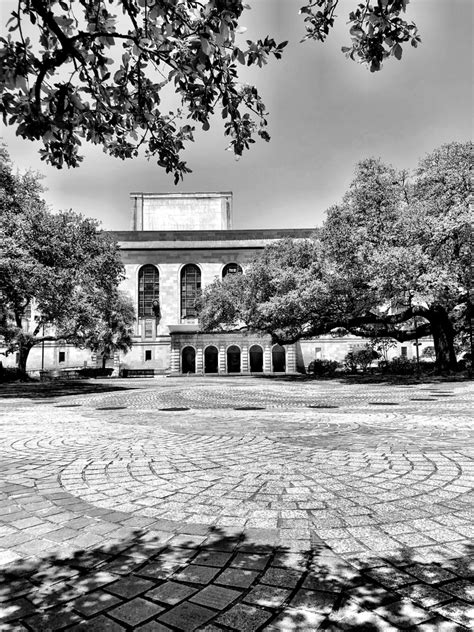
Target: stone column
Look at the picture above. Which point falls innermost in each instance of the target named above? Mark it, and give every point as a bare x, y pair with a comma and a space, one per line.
175, 351
267, 359
290, 359
115, 372
244, 358
199, 359
222, 358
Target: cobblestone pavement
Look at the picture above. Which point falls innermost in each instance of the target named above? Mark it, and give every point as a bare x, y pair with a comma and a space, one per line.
236, 504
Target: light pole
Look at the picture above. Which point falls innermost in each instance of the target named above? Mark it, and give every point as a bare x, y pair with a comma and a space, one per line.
417, 345
42, 351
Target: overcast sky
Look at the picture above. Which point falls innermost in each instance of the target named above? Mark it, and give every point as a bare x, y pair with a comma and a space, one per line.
326, 113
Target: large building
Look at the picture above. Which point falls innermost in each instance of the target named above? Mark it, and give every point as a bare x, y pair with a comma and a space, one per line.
178, 244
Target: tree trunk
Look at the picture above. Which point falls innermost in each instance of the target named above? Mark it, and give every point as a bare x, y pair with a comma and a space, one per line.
23, 352
443, 338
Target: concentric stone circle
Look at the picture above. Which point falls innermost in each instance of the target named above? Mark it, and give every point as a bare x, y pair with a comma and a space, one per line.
381, 493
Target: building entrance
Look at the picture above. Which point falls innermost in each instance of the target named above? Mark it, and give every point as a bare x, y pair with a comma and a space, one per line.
211, 360
256, 359
233, 359
278, 359
188, 360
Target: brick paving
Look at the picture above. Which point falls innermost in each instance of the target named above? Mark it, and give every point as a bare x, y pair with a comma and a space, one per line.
260, 505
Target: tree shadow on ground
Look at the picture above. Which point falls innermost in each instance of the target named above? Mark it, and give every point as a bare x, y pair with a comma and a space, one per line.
59, 388
375, 378
217, 579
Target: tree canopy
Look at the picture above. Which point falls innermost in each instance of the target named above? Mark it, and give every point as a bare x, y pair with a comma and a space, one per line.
102, 70
59, 273
114, 332
392, 260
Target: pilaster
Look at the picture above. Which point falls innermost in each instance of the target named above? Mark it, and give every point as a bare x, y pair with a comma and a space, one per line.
267, 359
290, 359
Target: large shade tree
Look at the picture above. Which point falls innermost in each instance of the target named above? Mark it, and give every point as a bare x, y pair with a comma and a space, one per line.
114, 332
103, 70
392, 260
59, 273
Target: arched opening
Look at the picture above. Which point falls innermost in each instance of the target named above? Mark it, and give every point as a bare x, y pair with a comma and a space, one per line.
233, 359
148, 291
256, 359
278, 359
231, 268
190, 290
188, 356
211, 360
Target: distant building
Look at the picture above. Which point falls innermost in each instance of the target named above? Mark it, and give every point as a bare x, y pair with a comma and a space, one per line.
178, 244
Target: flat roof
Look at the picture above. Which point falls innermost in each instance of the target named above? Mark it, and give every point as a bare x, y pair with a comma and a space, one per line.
196, 194
211, 235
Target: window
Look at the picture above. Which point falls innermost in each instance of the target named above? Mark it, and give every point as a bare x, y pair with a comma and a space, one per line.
147, 355
231, 268
190, 290
148, 291
62, 356
404, 351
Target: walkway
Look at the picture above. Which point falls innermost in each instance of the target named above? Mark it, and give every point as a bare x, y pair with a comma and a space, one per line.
236, 504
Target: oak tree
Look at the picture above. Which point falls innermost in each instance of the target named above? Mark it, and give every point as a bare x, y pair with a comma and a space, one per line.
114, 331
392, 260
59, 273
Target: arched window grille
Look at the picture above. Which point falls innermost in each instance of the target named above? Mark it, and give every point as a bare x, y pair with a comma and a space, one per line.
190, 290
148, 291
231, 268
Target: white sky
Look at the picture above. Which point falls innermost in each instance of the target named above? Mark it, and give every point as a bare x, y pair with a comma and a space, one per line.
326, 113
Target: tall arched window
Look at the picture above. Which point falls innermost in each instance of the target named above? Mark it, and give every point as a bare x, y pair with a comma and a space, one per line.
231, 268
190, 290
148, 291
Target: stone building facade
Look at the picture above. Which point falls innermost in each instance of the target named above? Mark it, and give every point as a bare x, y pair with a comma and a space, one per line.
177, 245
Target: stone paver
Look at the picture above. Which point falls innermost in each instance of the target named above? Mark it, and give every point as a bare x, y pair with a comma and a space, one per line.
332, 505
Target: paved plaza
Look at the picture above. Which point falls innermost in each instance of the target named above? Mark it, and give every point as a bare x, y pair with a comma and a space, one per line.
236, 504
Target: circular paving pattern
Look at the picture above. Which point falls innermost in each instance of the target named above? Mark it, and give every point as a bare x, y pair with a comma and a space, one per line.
276, 516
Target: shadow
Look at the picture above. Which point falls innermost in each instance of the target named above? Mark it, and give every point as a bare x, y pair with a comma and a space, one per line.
34, 390
370, 378
225, 579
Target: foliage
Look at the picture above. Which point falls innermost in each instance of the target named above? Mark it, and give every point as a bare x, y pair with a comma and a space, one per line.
58, 272
115, 330
93, 372
405, 366
381, 346
377, 30
320, 367
11, 374
393, 261
359, 359
465, 362
405, 244
428, 352
104, 71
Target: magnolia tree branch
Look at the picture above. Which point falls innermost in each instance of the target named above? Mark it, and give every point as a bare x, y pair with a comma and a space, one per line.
114, 100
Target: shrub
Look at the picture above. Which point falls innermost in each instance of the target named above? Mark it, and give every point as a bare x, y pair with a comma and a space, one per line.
11, 374
465, 362
404, 366
95, 372
323, 367
361, 358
